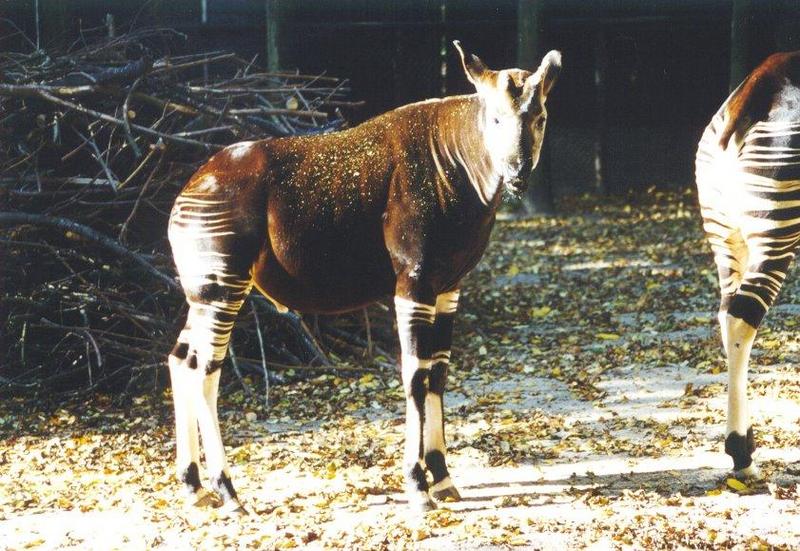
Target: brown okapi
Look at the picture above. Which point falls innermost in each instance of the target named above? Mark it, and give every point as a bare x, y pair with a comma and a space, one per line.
402, 204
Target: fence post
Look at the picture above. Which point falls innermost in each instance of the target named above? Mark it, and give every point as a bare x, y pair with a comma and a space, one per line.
530, 20
273, 13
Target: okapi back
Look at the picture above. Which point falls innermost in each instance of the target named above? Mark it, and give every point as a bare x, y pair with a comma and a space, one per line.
318, 215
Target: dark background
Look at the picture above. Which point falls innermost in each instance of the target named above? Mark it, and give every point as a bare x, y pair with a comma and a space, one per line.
640, 80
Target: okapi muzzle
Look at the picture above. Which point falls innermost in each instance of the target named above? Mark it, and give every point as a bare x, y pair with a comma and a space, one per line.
400, 205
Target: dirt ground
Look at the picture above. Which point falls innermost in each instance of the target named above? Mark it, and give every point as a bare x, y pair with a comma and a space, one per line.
585, 410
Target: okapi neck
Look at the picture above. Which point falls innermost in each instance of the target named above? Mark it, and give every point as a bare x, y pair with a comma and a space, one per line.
459, 151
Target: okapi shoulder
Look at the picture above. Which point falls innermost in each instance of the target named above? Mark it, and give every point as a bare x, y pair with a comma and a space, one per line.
758, 93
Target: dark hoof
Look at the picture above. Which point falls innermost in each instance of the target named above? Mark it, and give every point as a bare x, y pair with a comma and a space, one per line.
751, 472
233, 509
204, 499
447, 494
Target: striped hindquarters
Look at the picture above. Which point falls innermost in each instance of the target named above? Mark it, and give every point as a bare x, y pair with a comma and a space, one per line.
749, 195
213, 271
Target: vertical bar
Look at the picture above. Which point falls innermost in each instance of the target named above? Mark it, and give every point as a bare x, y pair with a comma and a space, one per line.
530, 31
36, 16
742, 40
443, 47
600, 66
273, 16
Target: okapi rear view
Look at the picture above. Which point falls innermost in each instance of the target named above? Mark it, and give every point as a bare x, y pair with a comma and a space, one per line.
402, 204
748, 183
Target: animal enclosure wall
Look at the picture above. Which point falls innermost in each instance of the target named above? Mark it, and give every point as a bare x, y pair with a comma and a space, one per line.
640, 79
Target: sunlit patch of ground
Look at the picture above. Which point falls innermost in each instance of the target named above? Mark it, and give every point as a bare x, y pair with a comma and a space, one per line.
586, 409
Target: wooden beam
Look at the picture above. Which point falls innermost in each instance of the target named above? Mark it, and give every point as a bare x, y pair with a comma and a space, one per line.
273, 13
530, 39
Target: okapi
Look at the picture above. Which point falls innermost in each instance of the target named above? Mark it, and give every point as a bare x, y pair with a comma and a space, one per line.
748, 182
402, 204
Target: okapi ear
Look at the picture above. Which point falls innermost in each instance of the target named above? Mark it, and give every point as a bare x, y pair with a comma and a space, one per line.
541, 82
549, 70
474, 68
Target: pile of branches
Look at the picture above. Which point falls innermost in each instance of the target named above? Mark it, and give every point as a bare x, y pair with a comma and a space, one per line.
95, 143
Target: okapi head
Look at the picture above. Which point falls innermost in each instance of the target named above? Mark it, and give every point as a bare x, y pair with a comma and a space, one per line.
513, 115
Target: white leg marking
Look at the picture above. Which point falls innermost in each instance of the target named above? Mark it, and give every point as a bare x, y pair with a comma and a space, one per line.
434, 435
740, 337
186, 438
205, 396
443, 484
751, 471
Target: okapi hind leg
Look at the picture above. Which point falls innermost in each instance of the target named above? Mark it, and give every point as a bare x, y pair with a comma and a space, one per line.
187, 442
759, 287
195, 371
435, 446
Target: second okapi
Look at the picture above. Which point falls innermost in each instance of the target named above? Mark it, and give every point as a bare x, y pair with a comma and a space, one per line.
748, 185
402, 204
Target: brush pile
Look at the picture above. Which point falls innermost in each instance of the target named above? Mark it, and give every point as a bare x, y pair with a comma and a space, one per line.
95, 143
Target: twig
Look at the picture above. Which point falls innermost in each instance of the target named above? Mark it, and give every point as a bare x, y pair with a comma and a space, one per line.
236, 370
126, 120
114, 120
7, 218
369, 333
263, 353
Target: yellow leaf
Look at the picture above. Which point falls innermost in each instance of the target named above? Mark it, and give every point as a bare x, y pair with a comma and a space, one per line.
714, 492
608, 336
512, 270
540, 312
330, 470
737, 485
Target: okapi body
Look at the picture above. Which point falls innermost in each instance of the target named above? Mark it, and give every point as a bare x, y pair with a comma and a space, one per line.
401, 205
748, 181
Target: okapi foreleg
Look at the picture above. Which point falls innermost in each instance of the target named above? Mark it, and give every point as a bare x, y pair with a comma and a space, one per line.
435, 447
415, 329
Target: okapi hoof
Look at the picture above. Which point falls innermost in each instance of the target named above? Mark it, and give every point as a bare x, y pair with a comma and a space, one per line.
447, 492
202, 499
740, 448
233, 509
751, 472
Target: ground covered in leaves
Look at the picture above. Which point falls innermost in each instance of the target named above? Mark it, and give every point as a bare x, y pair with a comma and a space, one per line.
586, 409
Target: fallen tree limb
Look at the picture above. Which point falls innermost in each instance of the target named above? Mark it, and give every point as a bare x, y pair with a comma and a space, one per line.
7, 218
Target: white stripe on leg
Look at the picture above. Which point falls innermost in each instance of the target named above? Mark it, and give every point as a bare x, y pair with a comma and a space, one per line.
739, 337
739, 437
447, 303
186, 438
